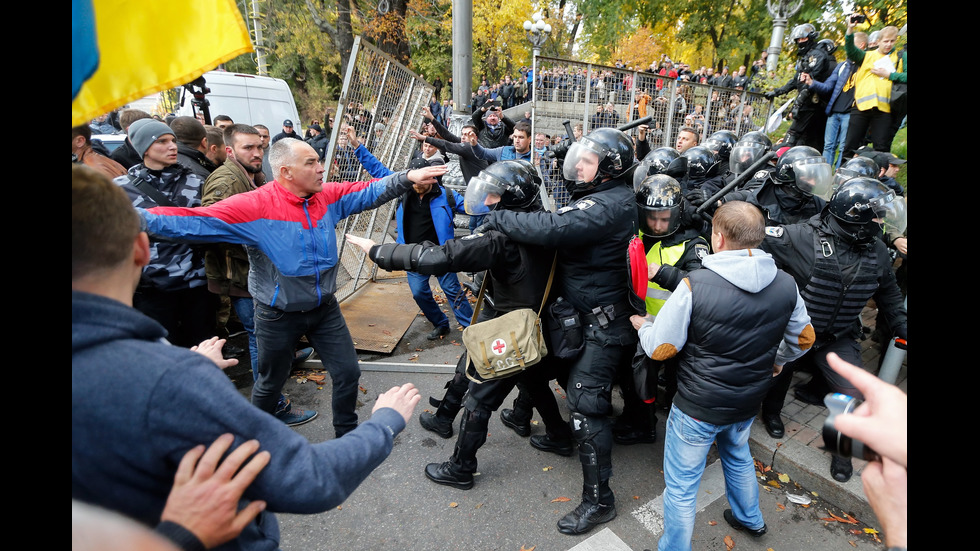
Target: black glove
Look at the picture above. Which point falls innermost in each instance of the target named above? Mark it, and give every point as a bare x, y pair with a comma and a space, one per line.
770, 95
697, 197
902, 332
560, 149
489, 103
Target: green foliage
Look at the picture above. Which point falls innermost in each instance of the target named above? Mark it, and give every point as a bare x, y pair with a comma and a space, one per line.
900, 148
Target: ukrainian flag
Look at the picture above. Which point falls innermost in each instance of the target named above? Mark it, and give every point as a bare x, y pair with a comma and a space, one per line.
123, 50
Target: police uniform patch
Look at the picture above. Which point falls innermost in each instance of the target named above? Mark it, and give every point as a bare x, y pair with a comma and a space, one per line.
701, 251
762, 174
585, 204
774, 231
563, 210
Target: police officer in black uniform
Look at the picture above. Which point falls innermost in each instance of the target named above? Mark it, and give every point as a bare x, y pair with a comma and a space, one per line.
591, 235
809, 118
839, 262
518, 275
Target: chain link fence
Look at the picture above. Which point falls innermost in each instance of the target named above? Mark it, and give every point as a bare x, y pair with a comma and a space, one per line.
592, 96
381, 100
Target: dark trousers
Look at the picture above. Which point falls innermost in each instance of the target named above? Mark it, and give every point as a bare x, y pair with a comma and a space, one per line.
860, 123
276, 333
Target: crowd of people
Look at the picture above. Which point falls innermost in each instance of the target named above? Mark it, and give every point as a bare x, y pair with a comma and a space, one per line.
749, 261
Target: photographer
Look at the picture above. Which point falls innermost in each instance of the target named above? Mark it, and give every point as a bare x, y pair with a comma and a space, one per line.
881, 422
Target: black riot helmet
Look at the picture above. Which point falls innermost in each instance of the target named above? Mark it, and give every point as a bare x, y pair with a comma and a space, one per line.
509, 184
659, 205
855, 168
829, 45
861, 206
663, 160
721, 142
805, 30
701, 162
756, 137
784, 166
749, 149
804, 171
604, 152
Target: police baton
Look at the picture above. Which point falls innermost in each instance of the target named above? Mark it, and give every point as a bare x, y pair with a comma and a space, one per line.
634, 124
745, 176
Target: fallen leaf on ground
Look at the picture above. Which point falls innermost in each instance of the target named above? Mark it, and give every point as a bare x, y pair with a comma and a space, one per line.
712, 523
846, 519
636, 497
548, 468
784, 478
301, 380
780, 506
418, 349
478, 505
370, 325
454, 504
729, 543
362, 389
317, 378
856, 531
561, 499
534, 422
528, 548
774, 484
852, 543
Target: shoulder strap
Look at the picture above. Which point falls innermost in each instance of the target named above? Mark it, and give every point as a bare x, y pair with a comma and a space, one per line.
145, 188
450, 198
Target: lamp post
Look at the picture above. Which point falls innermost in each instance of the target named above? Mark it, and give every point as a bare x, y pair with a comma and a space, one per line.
537, 33
781, 11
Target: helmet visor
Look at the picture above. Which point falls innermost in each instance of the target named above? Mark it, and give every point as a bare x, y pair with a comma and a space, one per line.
582, 161
483, 191
891, 210
659, 221
745, 155
814, 176
843, 175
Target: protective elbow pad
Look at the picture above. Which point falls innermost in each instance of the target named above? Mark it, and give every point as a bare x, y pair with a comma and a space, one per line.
392, 256
432, 261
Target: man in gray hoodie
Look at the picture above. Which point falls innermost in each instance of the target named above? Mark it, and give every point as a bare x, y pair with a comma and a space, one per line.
732, 325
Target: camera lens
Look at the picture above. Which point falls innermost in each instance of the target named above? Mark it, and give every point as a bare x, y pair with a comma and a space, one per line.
835, 441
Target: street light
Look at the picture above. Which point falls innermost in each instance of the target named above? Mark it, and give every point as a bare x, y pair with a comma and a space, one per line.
537, 34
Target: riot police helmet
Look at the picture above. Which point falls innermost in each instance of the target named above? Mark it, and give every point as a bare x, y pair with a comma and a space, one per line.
701, 162
828, 45
863, 205
805, 171
855, 168
663, 160
504, 184
602, 153
659, 205
721, 142
803, 31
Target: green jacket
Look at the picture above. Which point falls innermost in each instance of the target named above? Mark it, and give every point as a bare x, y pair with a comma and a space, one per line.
226, 265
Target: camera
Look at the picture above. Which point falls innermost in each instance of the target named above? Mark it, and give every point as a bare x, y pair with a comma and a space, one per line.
836, 442
858, 18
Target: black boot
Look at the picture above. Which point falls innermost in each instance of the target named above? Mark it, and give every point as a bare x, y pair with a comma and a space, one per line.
841, 468
598, 503
458, 471
441, 422
519, 418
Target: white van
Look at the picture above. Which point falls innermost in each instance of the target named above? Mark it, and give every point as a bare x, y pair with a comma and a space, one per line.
247, 99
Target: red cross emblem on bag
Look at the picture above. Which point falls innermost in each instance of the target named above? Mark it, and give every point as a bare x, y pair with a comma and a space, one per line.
499, 346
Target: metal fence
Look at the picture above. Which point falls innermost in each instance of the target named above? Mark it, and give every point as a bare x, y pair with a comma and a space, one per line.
594, 96
382, 100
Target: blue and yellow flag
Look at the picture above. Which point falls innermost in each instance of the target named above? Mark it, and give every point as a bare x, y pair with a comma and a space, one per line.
139, 47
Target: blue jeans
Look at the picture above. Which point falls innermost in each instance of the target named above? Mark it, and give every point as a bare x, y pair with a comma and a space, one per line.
834, 136
276, 333
685, 450
422, 294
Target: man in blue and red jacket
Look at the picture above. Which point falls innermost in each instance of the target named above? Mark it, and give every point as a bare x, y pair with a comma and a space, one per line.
288, 229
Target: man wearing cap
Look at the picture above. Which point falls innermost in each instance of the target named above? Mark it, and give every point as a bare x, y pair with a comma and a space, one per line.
173, 289
194, 146
287, 132
318, 140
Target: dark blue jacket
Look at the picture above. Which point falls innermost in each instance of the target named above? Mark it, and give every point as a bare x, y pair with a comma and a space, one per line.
834, 84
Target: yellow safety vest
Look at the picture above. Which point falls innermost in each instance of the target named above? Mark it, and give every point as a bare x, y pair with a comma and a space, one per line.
871, 90
657, 295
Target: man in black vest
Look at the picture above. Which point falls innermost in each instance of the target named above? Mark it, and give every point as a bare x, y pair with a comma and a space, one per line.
733, 325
